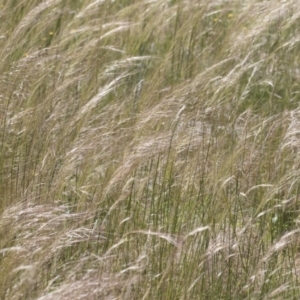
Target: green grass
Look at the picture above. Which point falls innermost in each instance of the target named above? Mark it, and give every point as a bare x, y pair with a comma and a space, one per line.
149, 149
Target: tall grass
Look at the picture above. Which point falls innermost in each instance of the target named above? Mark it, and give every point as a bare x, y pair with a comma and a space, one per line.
149, 149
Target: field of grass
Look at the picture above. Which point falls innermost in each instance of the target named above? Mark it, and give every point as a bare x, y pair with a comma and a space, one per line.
149, 149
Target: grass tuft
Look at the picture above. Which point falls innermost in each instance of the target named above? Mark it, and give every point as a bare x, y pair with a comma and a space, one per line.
149, 149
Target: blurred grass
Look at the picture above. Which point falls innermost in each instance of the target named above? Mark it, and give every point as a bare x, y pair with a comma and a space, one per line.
149, 149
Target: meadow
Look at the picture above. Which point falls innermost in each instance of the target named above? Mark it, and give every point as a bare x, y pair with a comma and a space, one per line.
149, 149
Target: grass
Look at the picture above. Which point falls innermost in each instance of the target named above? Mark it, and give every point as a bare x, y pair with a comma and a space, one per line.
149, 149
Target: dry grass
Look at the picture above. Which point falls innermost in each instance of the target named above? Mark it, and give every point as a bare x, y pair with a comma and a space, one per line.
149, 149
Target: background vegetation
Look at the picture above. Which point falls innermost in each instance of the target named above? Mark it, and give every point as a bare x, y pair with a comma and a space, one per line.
149, 149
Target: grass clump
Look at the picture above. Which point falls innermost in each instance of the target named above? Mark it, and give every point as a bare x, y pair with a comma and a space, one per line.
149, 149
